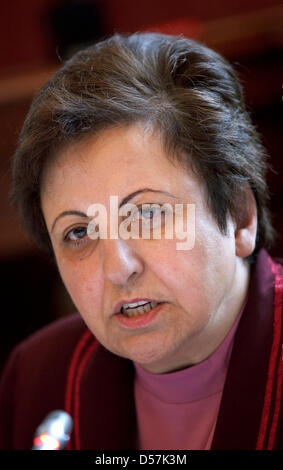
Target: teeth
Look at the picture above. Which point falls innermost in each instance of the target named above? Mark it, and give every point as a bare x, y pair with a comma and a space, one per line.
136, 304
133, 312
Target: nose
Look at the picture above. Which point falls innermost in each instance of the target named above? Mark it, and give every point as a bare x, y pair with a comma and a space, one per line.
121, 263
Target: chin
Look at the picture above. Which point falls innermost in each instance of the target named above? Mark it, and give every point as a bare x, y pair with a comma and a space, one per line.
144, 353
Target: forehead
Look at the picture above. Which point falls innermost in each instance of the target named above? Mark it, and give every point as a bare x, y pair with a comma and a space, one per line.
116, 161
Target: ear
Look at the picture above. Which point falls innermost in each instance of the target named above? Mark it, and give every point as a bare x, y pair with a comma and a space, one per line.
246, 226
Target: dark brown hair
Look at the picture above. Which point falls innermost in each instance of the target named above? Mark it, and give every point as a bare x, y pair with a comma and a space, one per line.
184, 89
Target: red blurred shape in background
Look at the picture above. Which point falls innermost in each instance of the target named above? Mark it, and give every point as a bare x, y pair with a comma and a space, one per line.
189, 27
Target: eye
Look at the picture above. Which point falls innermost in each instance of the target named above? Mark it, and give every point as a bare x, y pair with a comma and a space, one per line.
149, 213
150, 216
76, 235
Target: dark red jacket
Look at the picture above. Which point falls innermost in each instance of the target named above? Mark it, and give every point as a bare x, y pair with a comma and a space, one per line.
64, 367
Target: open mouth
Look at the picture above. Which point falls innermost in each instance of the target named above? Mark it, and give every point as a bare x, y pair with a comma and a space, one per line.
134, 311
139, 316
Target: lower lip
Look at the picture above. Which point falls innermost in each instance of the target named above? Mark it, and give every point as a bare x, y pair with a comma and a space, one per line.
140, 321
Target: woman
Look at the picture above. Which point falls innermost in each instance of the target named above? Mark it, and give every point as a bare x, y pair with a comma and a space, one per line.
172, 348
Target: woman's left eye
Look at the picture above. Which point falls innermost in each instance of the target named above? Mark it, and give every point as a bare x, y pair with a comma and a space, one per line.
148, 213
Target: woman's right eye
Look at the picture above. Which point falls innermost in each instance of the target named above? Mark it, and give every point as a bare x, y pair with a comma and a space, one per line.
76, 235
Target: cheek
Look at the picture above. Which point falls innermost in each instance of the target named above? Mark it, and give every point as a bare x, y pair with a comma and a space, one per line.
180, 274
82, 284
195, 280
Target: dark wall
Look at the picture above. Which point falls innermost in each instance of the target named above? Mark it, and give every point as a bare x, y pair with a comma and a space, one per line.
26, 37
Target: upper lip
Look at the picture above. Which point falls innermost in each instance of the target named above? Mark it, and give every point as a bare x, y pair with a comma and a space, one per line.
130, 301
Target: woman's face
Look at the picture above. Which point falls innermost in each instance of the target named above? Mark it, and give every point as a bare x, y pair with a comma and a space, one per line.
200, 290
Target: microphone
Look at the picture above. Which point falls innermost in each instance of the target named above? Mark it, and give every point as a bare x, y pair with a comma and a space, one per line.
54, 431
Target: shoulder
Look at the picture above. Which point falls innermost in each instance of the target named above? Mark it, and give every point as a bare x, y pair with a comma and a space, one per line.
47, 350
54, 341
63, 332
34, 379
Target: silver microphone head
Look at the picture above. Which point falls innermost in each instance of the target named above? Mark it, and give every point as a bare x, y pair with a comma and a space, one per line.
54, 431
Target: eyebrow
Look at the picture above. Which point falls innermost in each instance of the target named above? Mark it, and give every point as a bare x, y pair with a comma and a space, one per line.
122, 203
144, 190
65, 213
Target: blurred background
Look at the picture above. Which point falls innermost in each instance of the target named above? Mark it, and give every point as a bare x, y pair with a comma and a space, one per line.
37, 35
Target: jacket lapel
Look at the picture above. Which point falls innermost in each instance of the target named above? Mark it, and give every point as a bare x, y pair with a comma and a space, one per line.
243, 396
107, 406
